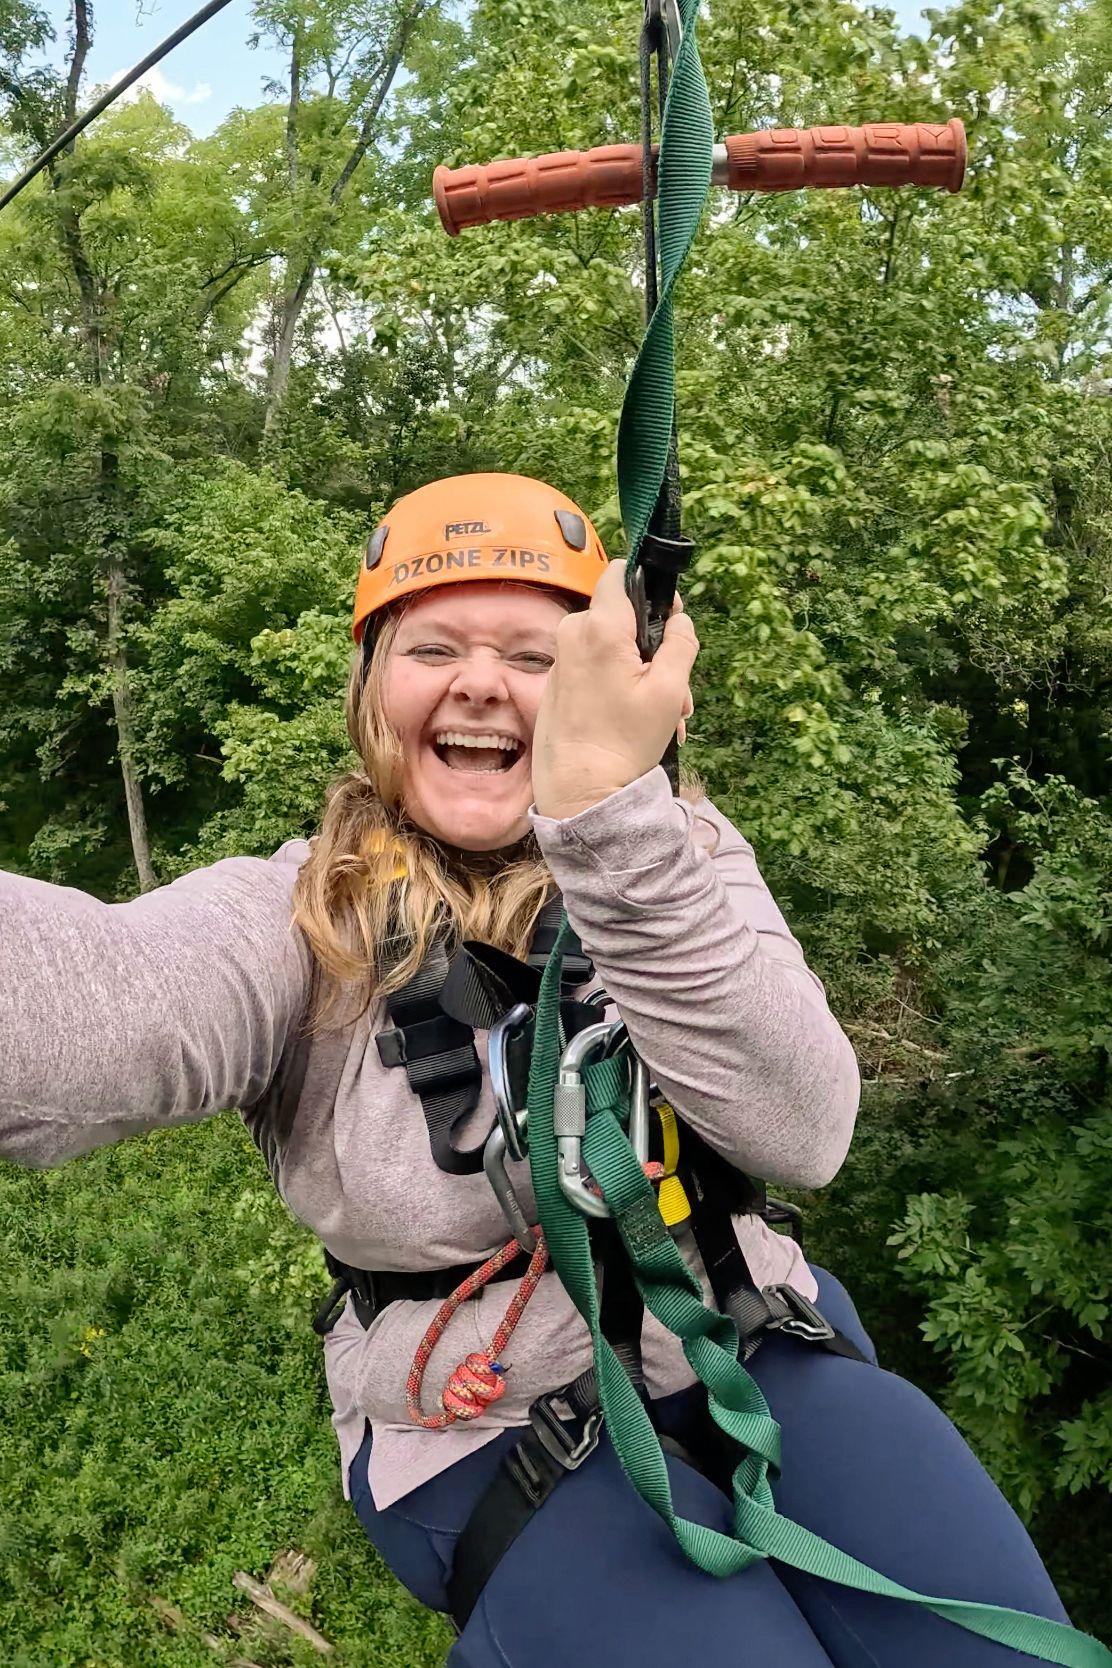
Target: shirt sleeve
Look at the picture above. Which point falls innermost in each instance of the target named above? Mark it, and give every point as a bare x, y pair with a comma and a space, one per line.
119, 1018
689, 943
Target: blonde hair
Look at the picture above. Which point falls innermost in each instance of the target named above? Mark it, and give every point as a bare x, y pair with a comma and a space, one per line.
376, 888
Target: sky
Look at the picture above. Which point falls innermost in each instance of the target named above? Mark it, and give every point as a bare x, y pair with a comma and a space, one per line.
202, 80
215, 70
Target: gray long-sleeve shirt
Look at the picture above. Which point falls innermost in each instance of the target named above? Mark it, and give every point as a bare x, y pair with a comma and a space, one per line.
124, 1017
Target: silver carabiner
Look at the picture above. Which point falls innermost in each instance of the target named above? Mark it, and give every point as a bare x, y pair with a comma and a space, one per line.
570, 1111
494, 1163
508, 1137
513, 1120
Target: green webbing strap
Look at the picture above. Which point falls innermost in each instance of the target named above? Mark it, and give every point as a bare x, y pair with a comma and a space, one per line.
709, 1341
669, 1289
683, 180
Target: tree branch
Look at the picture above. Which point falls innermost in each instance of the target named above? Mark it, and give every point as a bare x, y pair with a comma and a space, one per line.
212, 302
390, 67
77, 62
293, 108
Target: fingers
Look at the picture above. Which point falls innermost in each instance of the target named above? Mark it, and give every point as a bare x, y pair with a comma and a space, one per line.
610, 603
612, 610
678, 648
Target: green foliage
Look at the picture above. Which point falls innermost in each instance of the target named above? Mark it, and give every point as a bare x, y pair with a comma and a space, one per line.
896, 437
167, 1420
1010, 1257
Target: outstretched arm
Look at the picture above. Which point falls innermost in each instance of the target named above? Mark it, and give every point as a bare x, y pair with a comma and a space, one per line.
117, 1018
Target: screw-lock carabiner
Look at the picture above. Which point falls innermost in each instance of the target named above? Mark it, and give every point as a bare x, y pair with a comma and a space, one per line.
570, 1111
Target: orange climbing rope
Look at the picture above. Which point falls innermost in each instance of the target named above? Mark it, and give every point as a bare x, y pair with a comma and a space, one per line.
479, 1378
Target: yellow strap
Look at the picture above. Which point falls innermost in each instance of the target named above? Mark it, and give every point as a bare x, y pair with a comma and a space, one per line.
675, 1207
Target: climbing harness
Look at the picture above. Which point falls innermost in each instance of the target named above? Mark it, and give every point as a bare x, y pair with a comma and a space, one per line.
583, 1117
434, 1019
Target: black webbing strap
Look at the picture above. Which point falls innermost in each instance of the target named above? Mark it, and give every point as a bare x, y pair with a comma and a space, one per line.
435, 1015
439, 1057
544, 1454
576, 967
372, 1289
754, 1309
622, 1308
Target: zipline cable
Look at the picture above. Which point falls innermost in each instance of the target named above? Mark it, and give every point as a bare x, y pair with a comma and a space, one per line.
56, 145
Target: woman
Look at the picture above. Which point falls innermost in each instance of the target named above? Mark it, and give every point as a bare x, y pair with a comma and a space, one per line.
509, 736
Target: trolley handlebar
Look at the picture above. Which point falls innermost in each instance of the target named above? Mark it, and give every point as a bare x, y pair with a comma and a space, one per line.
775, 159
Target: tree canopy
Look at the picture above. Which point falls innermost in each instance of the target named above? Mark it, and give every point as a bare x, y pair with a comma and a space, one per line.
221, 358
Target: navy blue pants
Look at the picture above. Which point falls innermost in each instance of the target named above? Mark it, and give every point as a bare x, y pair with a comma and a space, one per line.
868, 1462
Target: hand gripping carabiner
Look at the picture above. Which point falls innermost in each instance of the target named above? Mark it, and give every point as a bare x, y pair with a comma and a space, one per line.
570, 1111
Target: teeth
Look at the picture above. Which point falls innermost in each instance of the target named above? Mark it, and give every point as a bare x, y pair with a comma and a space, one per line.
455, 738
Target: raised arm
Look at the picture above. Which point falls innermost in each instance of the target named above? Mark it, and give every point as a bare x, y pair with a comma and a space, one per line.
718, 999
117, 1018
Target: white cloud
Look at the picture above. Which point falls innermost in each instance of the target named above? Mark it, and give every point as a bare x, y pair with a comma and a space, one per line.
166, 92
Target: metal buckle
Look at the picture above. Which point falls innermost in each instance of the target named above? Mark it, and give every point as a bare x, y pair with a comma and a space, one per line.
494, 1166
804, 1321
569, 1444
509, 1136
570, 1111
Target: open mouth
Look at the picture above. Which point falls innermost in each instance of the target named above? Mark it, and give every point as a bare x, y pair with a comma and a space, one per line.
484, 755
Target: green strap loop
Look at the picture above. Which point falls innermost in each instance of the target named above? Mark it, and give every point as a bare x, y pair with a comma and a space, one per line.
683, 180
670, 1291
709, 1340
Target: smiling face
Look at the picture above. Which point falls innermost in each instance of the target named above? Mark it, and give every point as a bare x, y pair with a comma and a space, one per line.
462, 685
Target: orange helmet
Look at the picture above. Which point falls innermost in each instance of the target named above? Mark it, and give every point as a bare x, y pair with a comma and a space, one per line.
473, 527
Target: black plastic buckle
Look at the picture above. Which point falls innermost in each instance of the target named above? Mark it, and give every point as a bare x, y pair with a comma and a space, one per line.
391, 1046
652, 587
803, 1321
568, 1443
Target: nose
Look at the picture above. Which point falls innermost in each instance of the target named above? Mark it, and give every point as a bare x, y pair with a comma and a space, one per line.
481, 680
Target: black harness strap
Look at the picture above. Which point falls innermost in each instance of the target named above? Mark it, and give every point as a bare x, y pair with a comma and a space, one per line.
711, 1184
435, 1015
546, 1451
372, 1289
439, 1057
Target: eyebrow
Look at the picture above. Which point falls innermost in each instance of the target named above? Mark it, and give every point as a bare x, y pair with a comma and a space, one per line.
437, 625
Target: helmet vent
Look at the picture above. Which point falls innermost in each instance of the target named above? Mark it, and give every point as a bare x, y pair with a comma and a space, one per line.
375, 546
574, 529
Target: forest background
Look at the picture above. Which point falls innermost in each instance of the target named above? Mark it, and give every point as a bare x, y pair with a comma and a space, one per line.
220, 359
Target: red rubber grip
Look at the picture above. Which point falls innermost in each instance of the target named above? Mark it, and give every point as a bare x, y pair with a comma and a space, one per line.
778, 159
882, 153
606, 177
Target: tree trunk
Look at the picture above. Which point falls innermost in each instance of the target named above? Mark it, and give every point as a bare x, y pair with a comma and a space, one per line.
293, 303
125, 730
